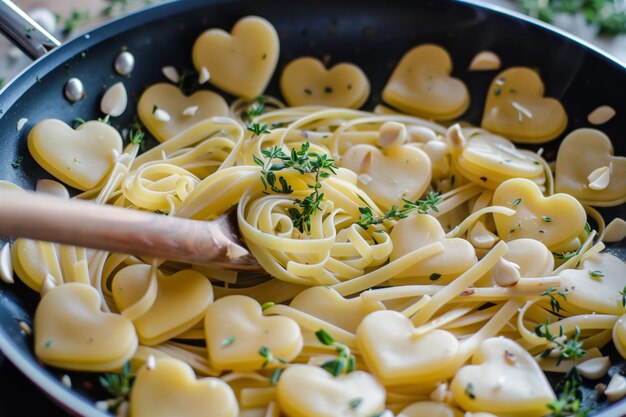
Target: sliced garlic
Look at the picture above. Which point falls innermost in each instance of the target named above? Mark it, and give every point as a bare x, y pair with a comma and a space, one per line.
615, 231
151, 363
616, 390
52, 187
21, 123
455, 136
601, 115
204, 76
235, 252
190, 111
65, 380
48, 283
439, 394
485, 61
115, 100
521, 109
594, 368
480, 237
171, 74
391, 134
6, 267
506, 273
421, 134
599, 178
162, 115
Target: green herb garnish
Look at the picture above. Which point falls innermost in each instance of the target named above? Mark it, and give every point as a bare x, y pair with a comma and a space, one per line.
596, 274
434, 276
266, 353
569, 400
606, 15
568, 255
118, 385
552, 293
367, 217
257, 128
546, 219
344, 362
17, 162
275, 376
228, 341
267, 305
257, 107
568, 348
354, 404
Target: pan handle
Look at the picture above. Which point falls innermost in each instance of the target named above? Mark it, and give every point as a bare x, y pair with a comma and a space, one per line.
24, 32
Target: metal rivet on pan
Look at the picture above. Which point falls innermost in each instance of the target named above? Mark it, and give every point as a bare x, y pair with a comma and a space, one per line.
124, 63
74, 90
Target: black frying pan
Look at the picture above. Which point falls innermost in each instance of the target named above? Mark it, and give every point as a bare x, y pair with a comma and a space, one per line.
374, 34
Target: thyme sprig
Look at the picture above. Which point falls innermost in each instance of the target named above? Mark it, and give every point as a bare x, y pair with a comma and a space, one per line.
118, 385
257, 128
568, 255
552, 293
367, 217
570, 397
257, 107
345, 362
422, 206
568, 348
266, 353
305, 162
268, 177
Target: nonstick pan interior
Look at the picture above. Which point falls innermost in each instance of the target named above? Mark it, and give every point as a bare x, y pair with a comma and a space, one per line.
372, 34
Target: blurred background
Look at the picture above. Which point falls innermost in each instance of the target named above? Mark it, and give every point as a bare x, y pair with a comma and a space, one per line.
600, 22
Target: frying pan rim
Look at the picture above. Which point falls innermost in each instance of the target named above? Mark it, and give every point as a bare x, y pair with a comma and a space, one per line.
19, 85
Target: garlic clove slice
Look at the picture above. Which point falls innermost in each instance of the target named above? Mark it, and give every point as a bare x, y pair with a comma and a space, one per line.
21, 123
616, 390
171, 74
485, 61
594, 368
615, 231
203, 76
599, 178
115, 100
190, 111
6, 267
601, 115
161, 115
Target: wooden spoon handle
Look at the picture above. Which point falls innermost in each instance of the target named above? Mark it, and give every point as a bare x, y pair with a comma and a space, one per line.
82, 223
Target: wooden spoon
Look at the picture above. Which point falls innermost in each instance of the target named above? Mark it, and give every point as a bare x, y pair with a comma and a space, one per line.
82, 223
